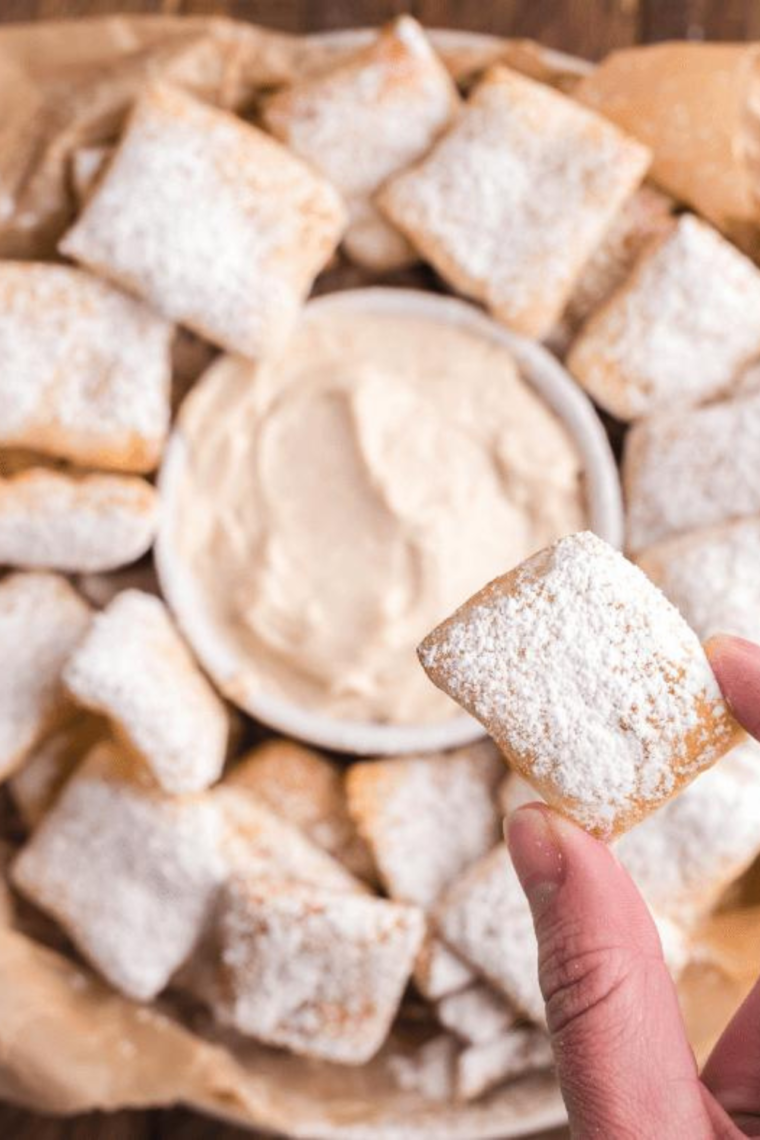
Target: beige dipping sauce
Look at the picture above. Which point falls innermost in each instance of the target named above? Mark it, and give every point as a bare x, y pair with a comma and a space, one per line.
338, 502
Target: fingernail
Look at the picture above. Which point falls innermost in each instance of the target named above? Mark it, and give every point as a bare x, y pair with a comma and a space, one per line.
723, 645
536, 849
736, 664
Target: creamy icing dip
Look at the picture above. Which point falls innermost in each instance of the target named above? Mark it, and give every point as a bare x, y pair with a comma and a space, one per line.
338, 502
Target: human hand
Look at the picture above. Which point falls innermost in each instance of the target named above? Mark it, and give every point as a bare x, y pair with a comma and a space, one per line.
624, 1064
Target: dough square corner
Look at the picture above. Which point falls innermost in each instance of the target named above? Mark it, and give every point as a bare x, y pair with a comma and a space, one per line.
678, 331
210, 220
319, 972
551, 177
591, 682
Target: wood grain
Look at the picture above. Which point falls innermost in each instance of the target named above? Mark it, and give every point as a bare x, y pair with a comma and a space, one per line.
588, 28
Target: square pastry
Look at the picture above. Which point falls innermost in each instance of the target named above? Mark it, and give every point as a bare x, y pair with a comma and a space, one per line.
438, 971
309, 791
53, 520
130, 873
642, 219
404, 805
42, 619
210, 220
86, 369
485, 916
678, 332
691, 469
684, 856
259, 842
363, 120
712, 576
476, 1014
485, 1065
512, 201
134, 667
319, 973
590, 681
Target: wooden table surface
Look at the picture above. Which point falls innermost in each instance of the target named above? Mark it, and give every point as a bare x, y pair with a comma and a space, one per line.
588, 28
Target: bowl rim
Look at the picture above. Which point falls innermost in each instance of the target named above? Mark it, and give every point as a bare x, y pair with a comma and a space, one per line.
554, 385
447, 39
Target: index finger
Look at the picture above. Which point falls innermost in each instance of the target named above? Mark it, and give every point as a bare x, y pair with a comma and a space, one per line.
736, 664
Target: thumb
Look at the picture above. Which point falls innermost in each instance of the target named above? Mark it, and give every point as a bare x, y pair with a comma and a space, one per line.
623, 1061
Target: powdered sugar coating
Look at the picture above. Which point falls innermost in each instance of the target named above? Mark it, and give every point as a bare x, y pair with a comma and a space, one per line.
42, 619
589, 679
678, 332
134, 667
307, 790
484, 1066
53, 520
476, 1014
438, 971
691, 469
258, 842
85, 370
317, 972
87, 164
37, 783
363, 120
687, 853
712, 576
210, 220
130, 873
512, 201
426, 818
645, 216
485, 916
429, 1070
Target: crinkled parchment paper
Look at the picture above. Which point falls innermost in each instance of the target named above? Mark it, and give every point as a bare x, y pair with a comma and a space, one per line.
68, 1043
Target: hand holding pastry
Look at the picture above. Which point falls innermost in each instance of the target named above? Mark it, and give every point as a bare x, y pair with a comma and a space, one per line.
602, 974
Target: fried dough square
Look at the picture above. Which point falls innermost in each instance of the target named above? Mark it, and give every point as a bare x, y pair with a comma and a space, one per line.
678, 332
684, 856
513, 200
319, 973
130, 873
42, 620
86, 369
691, 469
712, 577
365, 119
490, 1063
53, 520
210, 221
307, 790
438, 971
404, 805
485, 916
134, 667
589, 680
476, 1014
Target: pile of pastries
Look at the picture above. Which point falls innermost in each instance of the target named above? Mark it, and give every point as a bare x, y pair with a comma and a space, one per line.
311, 904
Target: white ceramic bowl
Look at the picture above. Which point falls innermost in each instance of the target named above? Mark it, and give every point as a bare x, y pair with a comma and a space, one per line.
220, 656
